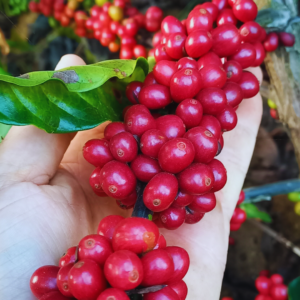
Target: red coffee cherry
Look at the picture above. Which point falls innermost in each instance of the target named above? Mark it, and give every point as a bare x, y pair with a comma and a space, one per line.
196, 179
180, 288
271, 42
81, 288
155, 96
157, 37
186, 63
233, 71
213, 100
171, 25
54, 296
128, 41
126, 52
68, 257
161, 243
263, 285
123, 270
160, 53
160, 192
198, 43
286, 39
62, 280
135, 234
94, 247
173, 217
203, 203
185, 83
239, 216
117, 180
206, 145
213, 76
226, 40
250, 32
212, 124
166, 294
123, 147
190, 111
181, 262
163, 71
151, 142
263, 35
221, 4
128, 202
199, 19
113, 129
183, 199
175, 45
249, 85
175, 155
241, 200
227, 118
132, 91
234, 94
263, 297
158, 267
235, 226
260, 54
139, 51
226, 16
245, 56
171, 126
245, 10
154, 12
279, 292
208, 59
145, 168
113, 294
108, 224
276, 279
97, 152
211, 8
192, 216
220, 175
43, 281
149, 79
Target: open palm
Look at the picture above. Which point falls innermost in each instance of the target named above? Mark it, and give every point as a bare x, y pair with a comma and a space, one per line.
47, 205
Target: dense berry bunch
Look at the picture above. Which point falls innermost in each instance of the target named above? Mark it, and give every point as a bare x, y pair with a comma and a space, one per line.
270, 287
126, 256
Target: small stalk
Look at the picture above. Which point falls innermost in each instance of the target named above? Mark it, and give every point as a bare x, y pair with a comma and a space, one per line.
140, 210
147, 290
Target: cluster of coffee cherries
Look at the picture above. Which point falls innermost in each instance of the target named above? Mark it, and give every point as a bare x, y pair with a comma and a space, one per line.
125, 257
115, 24
270, 287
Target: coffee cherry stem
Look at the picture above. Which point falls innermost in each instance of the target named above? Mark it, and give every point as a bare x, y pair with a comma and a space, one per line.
146, 290
140, 210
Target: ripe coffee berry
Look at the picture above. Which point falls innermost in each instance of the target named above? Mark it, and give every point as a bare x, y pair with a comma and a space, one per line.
203, 203
160, 53
220, 174
199, 19
198, 43
81, 288
161, 243
62, 280
190, 111
183, 199
233, 71
155, 13
139, 51
226, 40
180, 288
227, 118
286, 39
249, 85
175, 155
206, 145
108, 224
196, 179
132, 91
181, 262
250, 32
260, 54
97, 152
158, 267
263, 297
155, 96
226, 16
145, 168
163, 71
239, 216
128, 202
123, 147
171, 126
94, 247
263, 285
213, 75
151, 142
113, 129
166, 293
117, 180
241, 200
276, 279
211, 8
234, 94
208, 59
173, 217
245, 55
126, 52
68, 257
135, 234
113, 294
271, 42
185, 83
212, 124
43, 281
279, 292
171, 25
186, 63
245, 10
213, 100
128, 41
175, 45
149, 79
160, 192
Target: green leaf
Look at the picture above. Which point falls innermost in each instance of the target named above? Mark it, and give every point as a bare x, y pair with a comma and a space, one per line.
294, 289
254, 213
3, 131
71, 99
151, 62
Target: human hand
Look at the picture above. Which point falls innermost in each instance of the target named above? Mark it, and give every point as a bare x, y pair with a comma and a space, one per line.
47, 205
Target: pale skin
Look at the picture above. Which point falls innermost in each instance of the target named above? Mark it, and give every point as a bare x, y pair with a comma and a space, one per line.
47, 205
